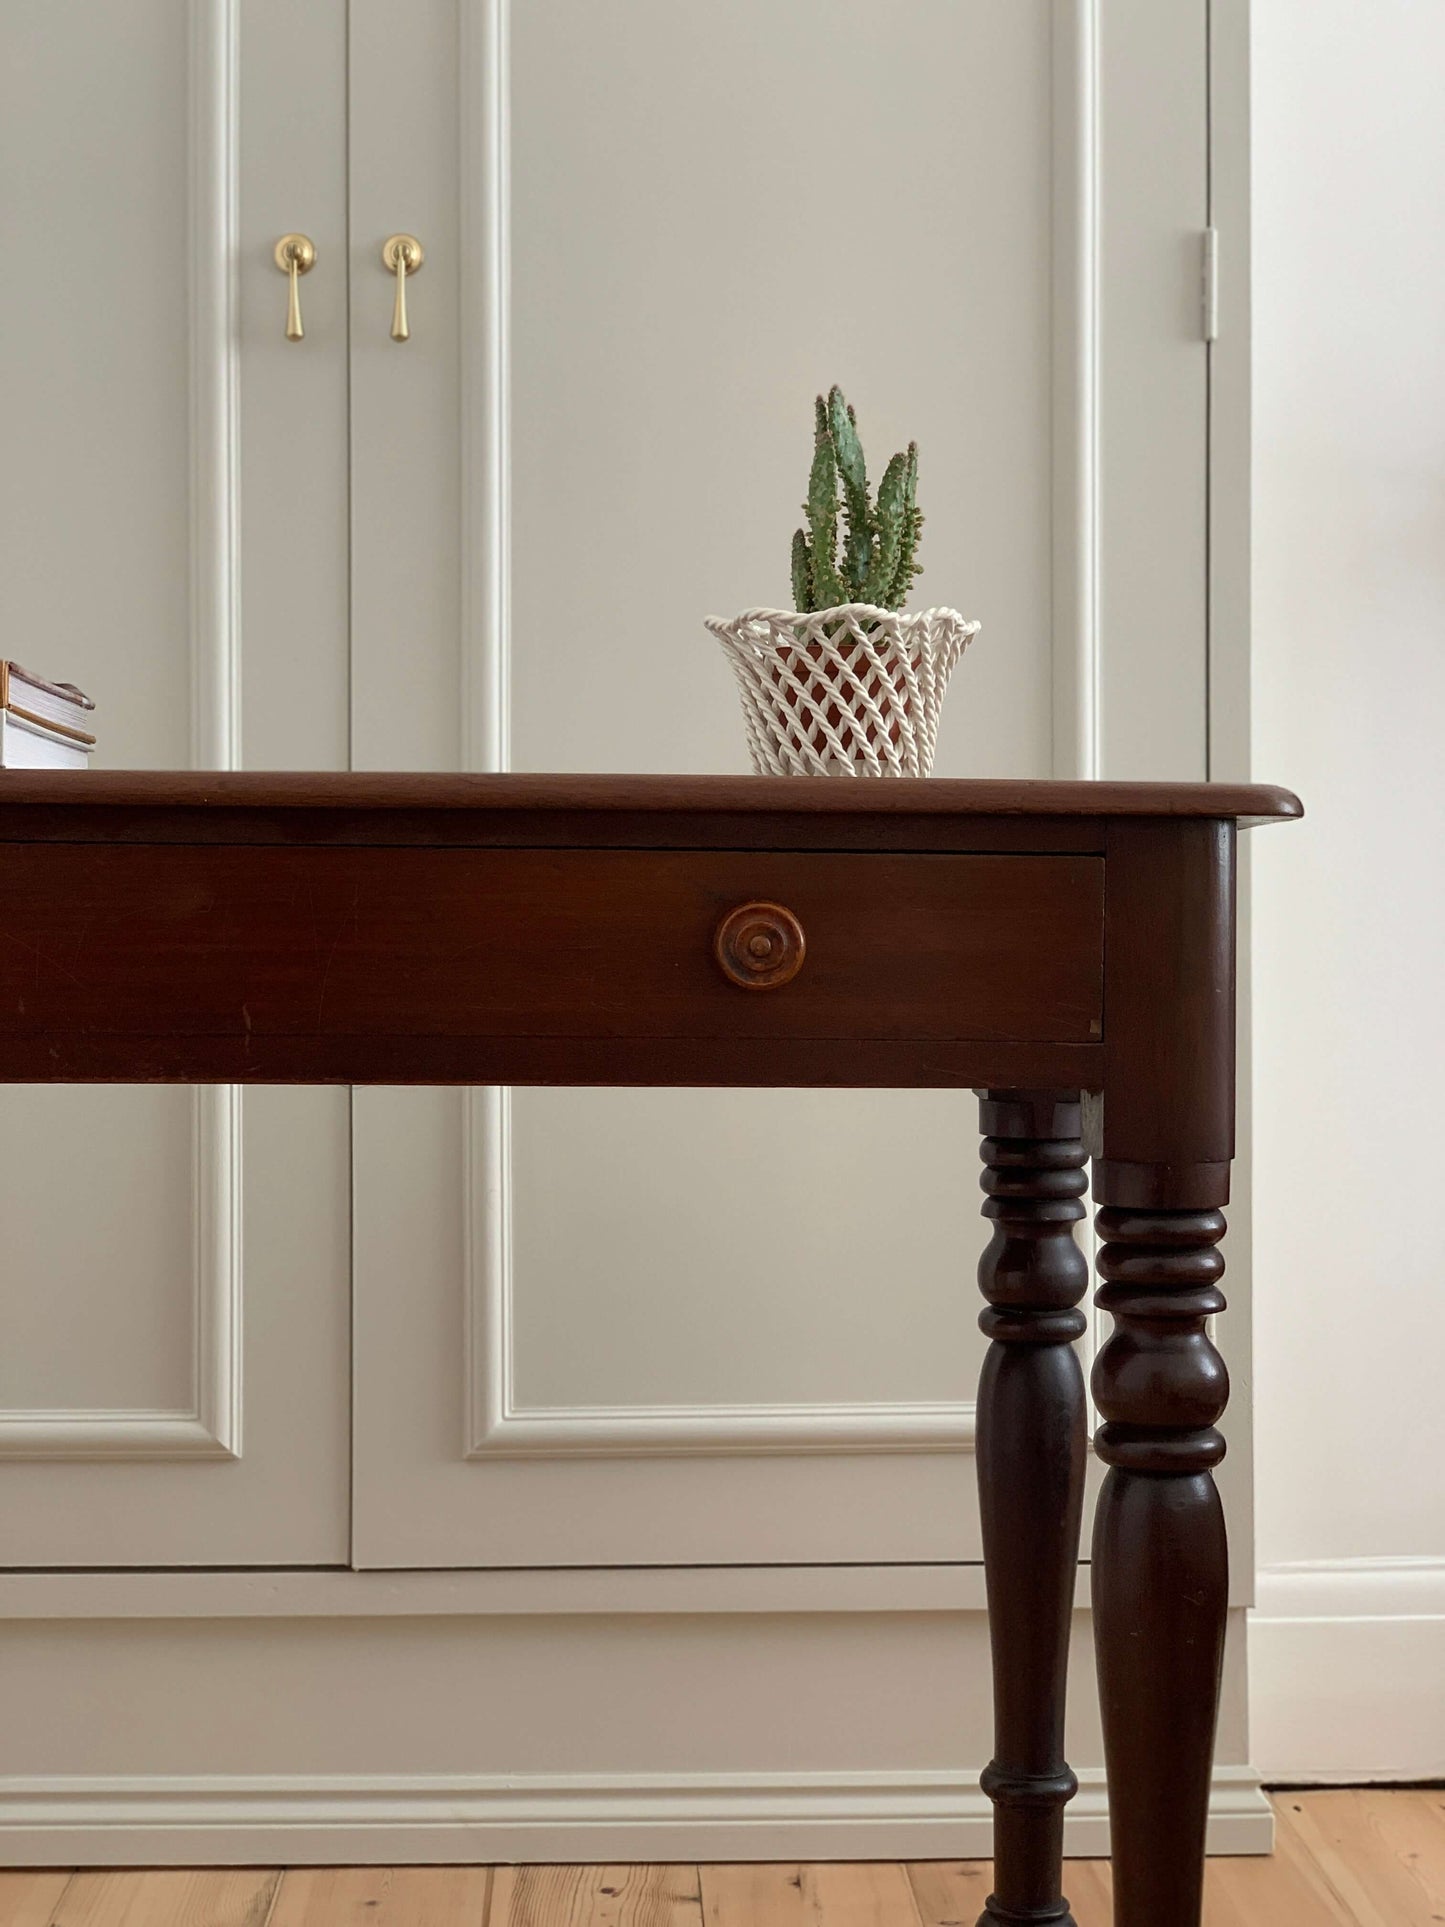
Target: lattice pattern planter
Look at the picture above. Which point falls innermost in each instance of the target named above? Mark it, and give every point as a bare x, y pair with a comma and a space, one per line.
851, 691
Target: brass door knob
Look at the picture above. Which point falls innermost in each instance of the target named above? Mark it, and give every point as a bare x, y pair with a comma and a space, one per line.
760, 946
295, 255
401, 255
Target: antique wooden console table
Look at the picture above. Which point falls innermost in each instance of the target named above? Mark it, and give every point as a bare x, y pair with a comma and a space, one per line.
1067, 949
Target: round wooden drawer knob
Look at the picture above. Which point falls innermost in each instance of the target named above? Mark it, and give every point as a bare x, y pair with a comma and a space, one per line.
760, 946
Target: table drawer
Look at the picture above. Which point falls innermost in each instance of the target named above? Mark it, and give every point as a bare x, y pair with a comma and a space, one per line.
226, 940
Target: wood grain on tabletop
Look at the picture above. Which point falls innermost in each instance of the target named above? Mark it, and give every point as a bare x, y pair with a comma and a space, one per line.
216, 791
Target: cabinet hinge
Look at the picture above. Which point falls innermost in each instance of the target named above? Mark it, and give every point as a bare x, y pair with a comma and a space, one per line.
1209, 284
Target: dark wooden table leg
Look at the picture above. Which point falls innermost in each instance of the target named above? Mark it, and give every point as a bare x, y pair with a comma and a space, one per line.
1031, 1443
1163, 1140
1160, 1563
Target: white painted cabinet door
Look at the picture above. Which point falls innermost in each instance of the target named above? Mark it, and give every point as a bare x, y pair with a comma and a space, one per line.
173, 1371
606, 1327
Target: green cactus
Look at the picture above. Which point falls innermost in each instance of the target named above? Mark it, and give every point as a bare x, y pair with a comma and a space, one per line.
908, 565
821, 509
857, 550
891, 521
802, 571
877, 559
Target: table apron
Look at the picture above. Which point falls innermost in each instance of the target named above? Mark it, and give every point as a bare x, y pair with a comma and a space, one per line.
265, 963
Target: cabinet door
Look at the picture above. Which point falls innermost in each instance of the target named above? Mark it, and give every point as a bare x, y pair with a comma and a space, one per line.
605, 1327
173, 1377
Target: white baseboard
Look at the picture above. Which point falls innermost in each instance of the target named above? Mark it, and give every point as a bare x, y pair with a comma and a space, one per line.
1347, 1671
365, 1819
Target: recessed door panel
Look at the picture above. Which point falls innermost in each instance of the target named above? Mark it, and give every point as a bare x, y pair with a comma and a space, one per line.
173, 1383
617, 1327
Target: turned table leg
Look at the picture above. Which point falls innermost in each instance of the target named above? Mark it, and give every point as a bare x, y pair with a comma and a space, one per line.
1160, 1565
1031, 1440
1162, 1140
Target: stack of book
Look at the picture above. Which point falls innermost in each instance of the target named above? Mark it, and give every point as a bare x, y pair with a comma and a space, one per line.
42, 724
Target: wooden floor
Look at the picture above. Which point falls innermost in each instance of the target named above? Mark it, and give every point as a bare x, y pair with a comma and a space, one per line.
1344, 1859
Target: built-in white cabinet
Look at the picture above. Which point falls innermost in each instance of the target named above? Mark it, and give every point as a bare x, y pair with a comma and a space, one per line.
436, 1328
485, 1330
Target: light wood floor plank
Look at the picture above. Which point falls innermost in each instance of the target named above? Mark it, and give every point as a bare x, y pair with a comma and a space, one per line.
595, 1897
1320, 1831
1090, 1893
1255, 1891
30, 1899
1245, 1892
383, 1897
854, 1893
190, 1897
949, 1893
1291, 1850
1345, 1858
1379, 1851
1407, 1825
1300, 1835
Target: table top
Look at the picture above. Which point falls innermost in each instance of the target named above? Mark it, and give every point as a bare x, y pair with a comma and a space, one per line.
357, 928
934, 797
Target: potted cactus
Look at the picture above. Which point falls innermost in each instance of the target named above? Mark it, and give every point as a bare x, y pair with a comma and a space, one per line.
845, 683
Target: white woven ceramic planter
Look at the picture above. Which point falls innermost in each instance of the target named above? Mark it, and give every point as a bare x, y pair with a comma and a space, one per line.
851, 691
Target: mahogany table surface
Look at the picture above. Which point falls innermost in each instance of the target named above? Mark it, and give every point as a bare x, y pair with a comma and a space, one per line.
684, 796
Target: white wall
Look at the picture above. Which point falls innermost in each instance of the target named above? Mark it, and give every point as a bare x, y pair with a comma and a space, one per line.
1348, 1648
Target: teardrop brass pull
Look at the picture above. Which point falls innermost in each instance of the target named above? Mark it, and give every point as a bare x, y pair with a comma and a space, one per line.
295, 255
401, 255
760, 946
